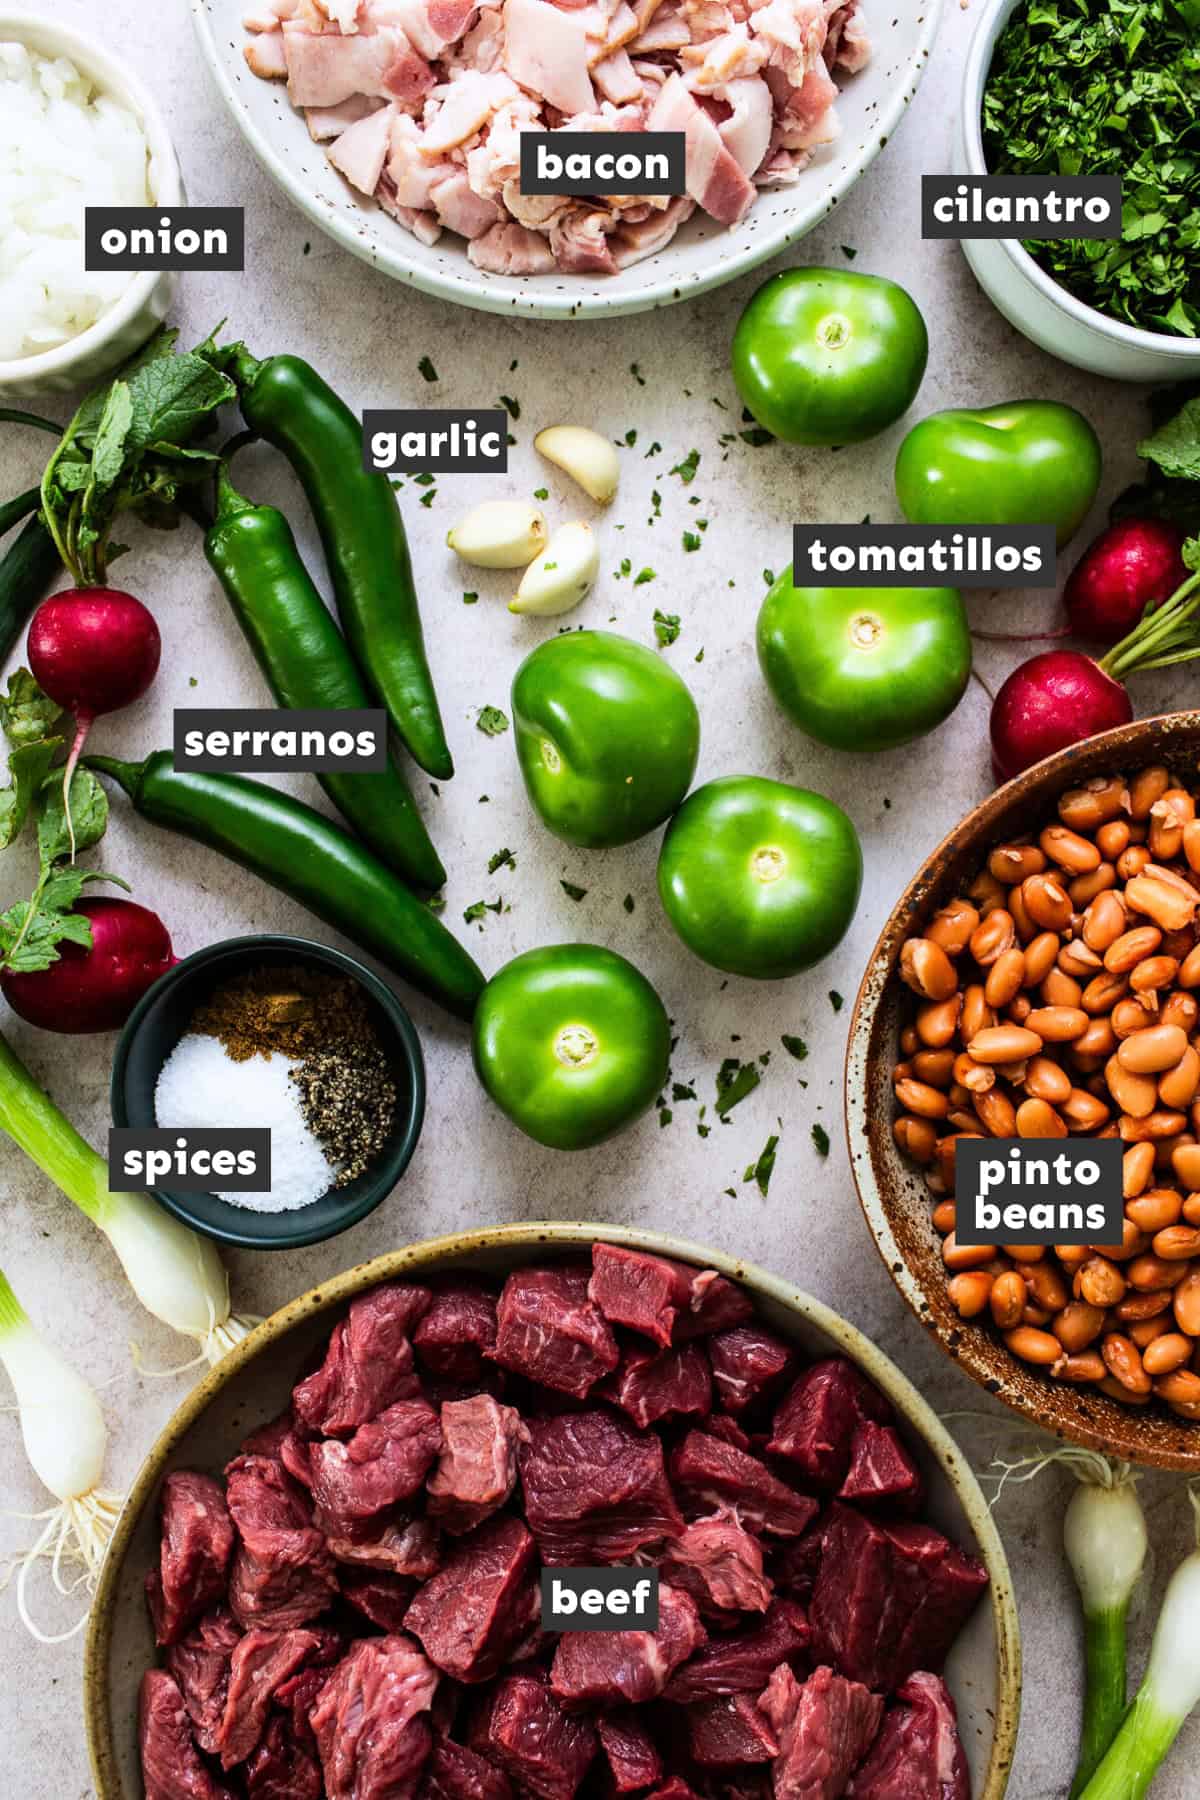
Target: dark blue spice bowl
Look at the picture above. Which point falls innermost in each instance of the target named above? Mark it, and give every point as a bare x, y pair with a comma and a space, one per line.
162, 1016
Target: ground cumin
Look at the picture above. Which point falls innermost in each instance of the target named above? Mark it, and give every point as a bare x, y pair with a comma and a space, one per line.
290, 1009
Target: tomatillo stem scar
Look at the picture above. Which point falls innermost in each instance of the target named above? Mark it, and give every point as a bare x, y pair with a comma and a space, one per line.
576, 1046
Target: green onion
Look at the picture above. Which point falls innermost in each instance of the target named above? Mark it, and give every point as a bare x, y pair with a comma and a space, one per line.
176, 1274
65, 1440
1168, 1693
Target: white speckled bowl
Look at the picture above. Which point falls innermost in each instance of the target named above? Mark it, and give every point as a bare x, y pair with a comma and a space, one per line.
143, 306
252, 1384
702, 255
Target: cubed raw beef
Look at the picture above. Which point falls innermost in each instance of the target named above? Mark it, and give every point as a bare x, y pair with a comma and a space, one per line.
269, 1439
199, 1663
794, 1567
281, 1768
747, 1362
815, 1422
384, 1462
545, 1750
604, 1668
741, 1663
394, 1541
455, 1773
720, 1565
595, 1489
261, 1662
725, 1426
548, 1330
723, 1734
824, 1728
297, 1698
719, 1475
378, 1596
197, 1543
673, 1788
172, 1768
881, 1468
635, 1288
918, 1754
282, 1573
368, 1365
657, 1384
889, 1598
371, 1733
473, 1610
632, 1754
477, 1467
458, 1328
717, 1304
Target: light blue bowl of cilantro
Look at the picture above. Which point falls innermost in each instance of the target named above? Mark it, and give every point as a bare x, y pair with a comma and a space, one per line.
1056, 87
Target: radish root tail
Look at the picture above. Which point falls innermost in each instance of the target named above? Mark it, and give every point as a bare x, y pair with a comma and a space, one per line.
83, 724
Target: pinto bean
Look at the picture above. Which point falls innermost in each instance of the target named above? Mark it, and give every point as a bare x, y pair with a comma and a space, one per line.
1080, 1368
970, 1292
1154, 1211
1123, 1360
1077, 1325
1031, 1345
1047, 902
1167, 1353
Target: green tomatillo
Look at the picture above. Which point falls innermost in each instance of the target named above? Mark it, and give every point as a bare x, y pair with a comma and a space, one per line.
825, 356
864, 668
759, 878
607, 736
1030, 462
572, 1042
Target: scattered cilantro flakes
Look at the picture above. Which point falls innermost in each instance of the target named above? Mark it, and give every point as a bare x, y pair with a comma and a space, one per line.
626, 566
477, 909
428, 497
795, 1046
436, 903
503, 859
193, 681
541, 493
849, 252
427, 369
735, 1080
768, 576
732, 1192
654, 450
820, 1138
425, 480
491, 721
699, 656
666, 627
627, 903
637, 374
512, 407
631, 438
835, 1000
470, 599
682, 1090
656, 502
665, 1116
692, 540
762, 1170
686, 470
643, 576
571, 891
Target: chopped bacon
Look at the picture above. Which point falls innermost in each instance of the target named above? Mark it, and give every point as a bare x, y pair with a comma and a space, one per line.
714, 179
361, 151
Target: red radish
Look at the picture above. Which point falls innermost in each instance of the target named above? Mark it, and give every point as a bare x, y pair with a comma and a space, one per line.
1133, 565
1062, 696
96, 989
1052, 700
93, 651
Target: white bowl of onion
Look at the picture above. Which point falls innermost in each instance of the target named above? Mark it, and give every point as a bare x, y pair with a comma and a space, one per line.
109, 332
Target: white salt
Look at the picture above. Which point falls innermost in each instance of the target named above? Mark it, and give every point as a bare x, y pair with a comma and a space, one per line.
200, 1087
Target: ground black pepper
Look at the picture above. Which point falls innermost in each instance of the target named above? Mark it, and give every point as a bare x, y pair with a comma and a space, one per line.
348, 1099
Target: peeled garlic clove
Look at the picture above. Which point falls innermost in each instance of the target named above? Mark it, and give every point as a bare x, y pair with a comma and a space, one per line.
562, 574
499, 534
584, 455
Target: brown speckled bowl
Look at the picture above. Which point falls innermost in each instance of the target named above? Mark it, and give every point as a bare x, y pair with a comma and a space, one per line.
252, 1385
893, 1193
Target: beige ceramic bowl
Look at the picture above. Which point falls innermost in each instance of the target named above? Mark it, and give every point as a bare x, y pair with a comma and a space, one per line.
143, 306
893, 1193
254, 1381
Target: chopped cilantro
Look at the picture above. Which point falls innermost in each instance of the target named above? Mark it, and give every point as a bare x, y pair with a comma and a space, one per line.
436, 903
571, 891
643, 576
627, 903
664, 1116
666, 627
631, 438
428, 497
425, 480
503, 859
653, 450
686, 470
491, 721
795, 1046
734, 1081
692, 540
470, 599
541, 493
682, 1090
835, 1000
624, 569
849, 252
427, 369
512, 407
699, 656
762, 1170
820, 1138
769, 577
637, 374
